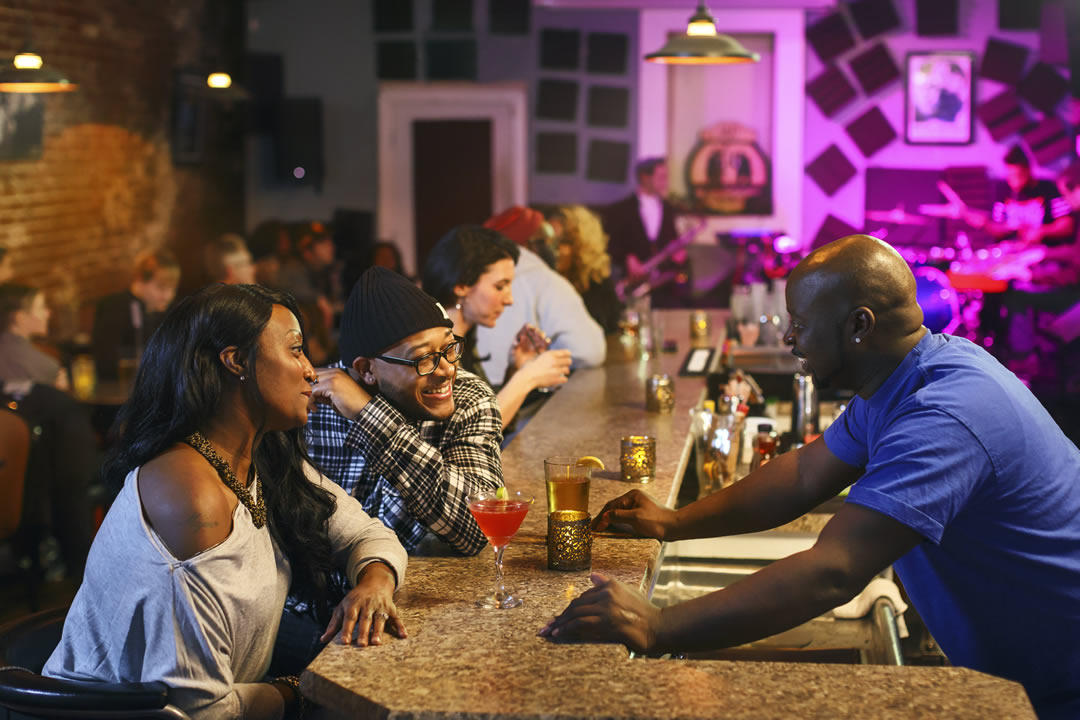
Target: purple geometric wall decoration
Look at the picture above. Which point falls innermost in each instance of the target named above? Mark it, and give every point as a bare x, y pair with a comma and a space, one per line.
874, 17
1003, 61
830, 170
1048, 140
832, 229
875, 68
871, 131
831, 91
1002, 115
936, 17
830, 37
1043, 87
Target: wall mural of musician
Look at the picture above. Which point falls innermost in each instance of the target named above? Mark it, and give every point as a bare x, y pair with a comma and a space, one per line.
728, 173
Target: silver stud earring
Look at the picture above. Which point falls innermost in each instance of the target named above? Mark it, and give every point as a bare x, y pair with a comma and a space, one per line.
858, 340
457, 305
243, 378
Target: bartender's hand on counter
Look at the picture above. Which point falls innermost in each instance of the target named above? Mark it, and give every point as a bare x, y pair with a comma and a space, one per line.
638, 513
336, 387
367, 610
609, 612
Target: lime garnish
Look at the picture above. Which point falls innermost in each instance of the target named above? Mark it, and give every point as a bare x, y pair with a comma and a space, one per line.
501, 494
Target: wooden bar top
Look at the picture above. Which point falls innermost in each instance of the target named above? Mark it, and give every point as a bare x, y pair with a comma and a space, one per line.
461, 661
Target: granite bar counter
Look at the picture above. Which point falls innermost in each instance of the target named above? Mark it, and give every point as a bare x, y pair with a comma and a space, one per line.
461, 661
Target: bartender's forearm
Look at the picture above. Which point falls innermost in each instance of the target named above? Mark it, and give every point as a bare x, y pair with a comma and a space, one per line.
783, 489
786, 593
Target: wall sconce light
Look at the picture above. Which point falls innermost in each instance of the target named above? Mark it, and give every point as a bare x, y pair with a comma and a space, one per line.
27, 74
702, 45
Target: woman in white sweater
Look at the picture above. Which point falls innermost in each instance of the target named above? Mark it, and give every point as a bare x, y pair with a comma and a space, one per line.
219, 516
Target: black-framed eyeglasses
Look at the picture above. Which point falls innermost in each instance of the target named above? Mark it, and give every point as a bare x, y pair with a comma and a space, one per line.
426, 364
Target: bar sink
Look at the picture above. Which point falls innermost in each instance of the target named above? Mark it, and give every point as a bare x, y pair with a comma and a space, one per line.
689, 569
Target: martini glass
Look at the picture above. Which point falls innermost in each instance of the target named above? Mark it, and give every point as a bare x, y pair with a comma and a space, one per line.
499, 519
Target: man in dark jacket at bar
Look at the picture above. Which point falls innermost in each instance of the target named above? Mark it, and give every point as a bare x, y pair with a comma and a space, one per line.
958, 478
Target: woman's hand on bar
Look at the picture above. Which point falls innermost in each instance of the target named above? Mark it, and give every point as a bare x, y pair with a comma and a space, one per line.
367, 610
637, 512
608, 612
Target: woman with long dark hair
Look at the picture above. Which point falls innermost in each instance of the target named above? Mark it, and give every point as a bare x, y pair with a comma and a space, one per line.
470, 271
219, 514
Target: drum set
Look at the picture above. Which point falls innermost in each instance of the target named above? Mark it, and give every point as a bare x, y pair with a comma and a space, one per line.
953, 282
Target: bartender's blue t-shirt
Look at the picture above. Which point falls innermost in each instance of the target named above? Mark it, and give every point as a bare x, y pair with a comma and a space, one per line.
956, 448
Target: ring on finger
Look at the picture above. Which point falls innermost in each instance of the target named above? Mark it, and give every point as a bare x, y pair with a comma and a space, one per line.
380, 614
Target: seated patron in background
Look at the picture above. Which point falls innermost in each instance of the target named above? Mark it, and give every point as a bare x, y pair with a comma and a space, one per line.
309, 274
62, 459
543, 299
958, 478
397, 424
220, 513
583, 260
228, 261
641, 226
265, 247
124, 321
471, 269
528, 228
24, 315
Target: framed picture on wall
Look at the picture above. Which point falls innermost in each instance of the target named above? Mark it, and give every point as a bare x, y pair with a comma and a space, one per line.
939, 98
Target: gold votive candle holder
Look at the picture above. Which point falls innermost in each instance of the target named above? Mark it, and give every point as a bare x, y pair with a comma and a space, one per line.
637, 458
83, 376
659, 394
700, 329
569, 540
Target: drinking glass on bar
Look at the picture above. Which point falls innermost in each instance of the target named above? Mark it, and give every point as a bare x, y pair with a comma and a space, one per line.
567, 484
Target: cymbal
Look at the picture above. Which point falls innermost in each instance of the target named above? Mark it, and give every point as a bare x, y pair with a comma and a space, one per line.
896, 216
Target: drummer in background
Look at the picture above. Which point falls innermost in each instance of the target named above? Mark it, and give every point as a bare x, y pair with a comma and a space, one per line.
1029, 210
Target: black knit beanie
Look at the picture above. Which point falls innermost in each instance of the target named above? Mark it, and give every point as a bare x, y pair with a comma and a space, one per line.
383, 309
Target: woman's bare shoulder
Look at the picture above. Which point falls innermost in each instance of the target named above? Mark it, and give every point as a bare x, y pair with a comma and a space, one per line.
185, 501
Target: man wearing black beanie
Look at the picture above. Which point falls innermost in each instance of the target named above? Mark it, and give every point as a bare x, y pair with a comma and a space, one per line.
398, 425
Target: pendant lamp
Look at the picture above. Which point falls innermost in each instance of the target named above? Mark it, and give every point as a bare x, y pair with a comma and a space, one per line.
702, 45
27, 74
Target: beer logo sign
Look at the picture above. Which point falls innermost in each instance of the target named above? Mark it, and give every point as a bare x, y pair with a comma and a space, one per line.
728, 173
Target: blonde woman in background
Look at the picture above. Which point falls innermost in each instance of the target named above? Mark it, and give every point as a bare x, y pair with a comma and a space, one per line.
582, 258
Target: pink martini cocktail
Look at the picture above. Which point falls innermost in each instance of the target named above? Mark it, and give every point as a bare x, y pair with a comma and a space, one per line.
499, 519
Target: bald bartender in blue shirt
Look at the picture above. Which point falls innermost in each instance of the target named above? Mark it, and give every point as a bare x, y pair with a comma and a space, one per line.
958, 477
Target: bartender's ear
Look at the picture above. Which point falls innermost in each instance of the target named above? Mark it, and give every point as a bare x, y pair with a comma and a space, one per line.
861, 322
230, 358
364, 369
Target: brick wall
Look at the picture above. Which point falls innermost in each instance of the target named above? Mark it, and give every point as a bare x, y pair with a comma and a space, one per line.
105, 184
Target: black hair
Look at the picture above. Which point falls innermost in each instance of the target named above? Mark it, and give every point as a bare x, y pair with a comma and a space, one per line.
180, 386
461, 256
1017, 156
13, 298
647, 166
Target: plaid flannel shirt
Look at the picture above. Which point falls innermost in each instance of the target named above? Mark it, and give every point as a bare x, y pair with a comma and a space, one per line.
415, 475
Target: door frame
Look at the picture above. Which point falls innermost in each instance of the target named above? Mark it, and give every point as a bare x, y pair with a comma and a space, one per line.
504, 104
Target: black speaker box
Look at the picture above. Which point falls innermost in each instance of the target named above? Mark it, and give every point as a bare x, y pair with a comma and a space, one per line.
298, 142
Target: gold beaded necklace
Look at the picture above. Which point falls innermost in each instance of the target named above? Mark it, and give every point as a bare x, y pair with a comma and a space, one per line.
257, 508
